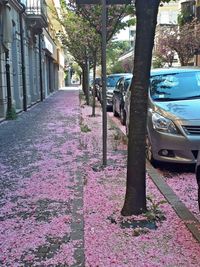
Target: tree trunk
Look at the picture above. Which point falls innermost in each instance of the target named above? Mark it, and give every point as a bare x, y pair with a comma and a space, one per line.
182, 61
85, 83
93, 89
83, 79
135, 199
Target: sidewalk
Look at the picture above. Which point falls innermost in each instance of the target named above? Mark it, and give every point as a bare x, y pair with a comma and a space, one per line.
41, 188
53, 188
107, 243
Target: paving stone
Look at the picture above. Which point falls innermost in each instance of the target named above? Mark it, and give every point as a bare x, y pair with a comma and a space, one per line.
19, 156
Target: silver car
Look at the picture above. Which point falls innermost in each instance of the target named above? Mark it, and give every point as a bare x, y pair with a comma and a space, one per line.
173, 122
111, 81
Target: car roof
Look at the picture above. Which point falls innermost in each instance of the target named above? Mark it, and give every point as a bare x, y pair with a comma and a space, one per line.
126, 77
173, 70
118, 74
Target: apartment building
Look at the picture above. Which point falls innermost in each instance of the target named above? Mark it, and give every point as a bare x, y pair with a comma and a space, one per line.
31, 62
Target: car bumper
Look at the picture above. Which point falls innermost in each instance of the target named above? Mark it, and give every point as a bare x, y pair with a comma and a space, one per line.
109, 102
174, 148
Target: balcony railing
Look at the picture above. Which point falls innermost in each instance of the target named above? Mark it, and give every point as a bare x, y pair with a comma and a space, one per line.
37, 10
36, 7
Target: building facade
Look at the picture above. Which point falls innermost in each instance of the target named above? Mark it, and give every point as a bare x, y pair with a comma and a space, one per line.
29, 57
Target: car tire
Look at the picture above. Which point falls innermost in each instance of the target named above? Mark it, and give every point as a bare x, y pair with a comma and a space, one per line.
126, 130
198, 183
114, 110
123, 116
149, 153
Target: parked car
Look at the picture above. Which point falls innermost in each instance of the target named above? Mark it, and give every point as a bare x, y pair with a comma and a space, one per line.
173, 121
119, 97
96, 84
111, 81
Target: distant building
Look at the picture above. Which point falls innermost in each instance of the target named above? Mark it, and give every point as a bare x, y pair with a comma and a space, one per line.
167, 19
167, 15
132, 34
127, 34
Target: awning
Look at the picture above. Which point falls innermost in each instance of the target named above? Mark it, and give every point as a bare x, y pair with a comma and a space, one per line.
50, 46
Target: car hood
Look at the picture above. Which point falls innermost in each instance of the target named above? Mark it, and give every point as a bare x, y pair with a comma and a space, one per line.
179, 110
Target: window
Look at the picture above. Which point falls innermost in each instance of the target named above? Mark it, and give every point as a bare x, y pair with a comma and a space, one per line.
176, 86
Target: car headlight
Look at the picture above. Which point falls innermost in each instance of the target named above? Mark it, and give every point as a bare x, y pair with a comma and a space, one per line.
109, 95
163, 124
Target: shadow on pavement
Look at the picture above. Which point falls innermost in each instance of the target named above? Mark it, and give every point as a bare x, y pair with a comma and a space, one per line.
176, 168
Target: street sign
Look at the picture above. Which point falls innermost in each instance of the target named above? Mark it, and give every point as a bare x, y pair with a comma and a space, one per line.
98, 2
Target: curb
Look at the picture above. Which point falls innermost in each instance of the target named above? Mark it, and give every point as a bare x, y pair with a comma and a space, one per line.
181, 210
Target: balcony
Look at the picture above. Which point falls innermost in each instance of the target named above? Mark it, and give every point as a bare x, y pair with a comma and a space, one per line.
36, 11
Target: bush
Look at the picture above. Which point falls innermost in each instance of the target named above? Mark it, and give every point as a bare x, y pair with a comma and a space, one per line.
158, 62
11, 114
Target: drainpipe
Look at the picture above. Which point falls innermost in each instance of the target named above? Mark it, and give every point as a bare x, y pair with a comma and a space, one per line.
40, 60
7, 28
22, 58
9, 94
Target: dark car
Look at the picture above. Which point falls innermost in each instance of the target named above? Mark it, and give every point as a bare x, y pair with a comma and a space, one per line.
119, 97
111, 81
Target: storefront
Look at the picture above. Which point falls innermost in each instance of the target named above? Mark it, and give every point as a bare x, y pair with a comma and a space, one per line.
50, 65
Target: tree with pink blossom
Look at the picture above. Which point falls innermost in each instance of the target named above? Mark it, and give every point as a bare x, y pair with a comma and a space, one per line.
162, 49
184, 40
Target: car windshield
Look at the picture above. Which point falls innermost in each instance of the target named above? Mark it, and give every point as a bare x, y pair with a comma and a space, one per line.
127, 83
175, 86
112, 80
97, 80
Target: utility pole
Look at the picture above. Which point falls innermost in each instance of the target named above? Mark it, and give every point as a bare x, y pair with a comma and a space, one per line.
23, 58
103, 60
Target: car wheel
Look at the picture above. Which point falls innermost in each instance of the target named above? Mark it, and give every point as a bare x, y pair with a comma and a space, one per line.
198, 183
114, 110
149, 153
123, 116
126, 130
